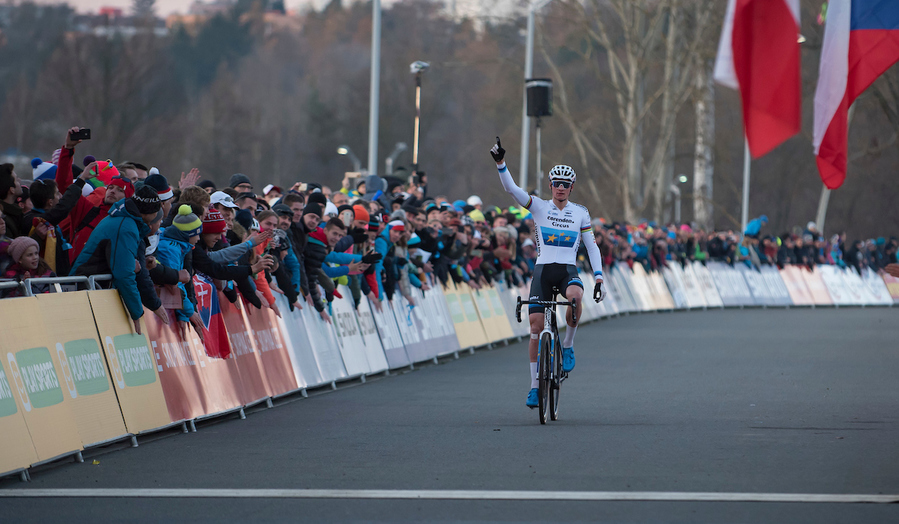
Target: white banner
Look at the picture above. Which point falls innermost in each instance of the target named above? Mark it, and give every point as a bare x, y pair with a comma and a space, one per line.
374, 351
349, 336
709, 291
302, 359
391, 340
877, 287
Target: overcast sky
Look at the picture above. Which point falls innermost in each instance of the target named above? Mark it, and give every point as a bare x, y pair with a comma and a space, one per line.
166, 7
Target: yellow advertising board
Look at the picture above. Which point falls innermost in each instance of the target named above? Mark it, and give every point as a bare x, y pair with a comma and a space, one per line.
17, 451
484, 311
132, 363
76, 351
34, 376
500, 318
469, 329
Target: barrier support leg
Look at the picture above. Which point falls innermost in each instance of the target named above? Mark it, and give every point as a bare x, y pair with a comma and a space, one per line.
471, 350
193, 426
304, 393
455, 355
24, 476
435, 361
79, 457
270, 404
362, 379
386, 372
184, 427
333, 385
243, 415
134, 441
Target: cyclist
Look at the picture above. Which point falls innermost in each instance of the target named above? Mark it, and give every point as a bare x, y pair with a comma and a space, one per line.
560, 224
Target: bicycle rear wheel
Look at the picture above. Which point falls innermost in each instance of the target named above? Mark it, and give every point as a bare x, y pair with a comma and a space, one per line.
543, 374
555, 387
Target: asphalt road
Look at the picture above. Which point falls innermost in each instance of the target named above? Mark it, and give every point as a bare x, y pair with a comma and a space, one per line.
753, 401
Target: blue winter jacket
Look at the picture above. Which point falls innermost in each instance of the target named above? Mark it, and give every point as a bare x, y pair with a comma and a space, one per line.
115, 246
172, 249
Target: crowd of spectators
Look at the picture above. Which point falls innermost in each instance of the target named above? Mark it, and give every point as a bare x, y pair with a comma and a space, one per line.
154, 234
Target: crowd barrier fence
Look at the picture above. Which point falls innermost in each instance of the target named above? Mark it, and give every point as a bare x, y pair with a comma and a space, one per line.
75, 374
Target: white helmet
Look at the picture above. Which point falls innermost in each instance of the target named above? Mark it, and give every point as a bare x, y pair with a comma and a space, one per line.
562, 172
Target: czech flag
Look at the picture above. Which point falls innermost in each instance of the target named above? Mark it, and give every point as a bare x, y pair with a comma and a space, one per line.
758, 54
861, 41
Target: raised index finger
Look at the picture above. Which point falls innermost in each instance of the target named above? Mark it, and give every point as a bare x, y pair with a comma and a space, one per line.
498, 143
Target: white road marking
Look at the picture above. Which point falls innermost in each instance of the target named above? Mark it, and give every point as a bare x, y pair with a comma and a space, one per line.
656, 496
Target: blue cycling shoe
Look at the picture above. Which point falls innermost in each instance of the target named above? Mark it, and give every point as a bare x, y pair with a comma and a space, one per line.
532, 398
567, 359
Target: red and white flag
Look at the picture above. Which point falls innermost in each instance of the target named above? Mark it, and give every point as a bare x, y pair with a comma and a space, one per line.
759, 55
861, 41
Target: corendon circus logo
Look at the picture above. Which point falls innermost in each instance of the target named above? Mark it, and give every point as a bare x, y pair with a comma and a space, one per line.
35, 378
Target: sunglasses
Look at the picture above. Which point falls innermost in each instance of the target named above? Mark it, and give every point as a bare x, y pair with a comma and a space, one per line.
561, 183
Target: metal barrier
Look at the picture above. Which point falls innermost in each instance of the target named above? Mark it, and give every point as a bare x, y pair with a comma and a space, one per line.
11, 284
93, 279
56, 282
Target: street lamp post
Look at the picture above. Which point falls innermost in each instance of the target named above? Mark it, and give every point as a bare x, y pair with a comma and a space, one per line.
528, 73
346, 151
374, 90
388, 163
417, 68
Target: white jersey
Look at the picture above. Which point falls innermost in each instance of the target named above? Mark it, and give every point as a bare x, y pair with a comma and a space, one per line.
558, 231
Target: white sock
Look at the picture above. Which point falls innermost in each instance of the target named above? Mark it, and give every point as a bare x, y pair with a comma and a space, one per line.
533, 375
568, 339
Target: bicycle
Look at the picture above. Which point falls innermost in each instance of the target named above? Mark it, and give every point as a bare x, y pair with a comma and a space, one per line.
549, 362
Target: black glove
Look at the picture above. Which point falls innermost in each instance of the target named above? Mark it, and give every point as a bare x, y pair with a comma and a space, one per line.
371, 258
498, 153
359, 235
400, 261
598, 293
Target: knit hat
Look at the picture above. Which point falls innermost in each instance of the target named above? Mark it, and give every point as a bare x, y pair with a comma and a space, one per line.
147, 200
207, 184
123, 183
360, 213
317, 198
43, 170
187, 221
477, 216
238, 179
397, 225
474, 200
19, 245
160, 184
213, 223
283, 210
244, 218
313, 208
345, 207
331, 209
105, 173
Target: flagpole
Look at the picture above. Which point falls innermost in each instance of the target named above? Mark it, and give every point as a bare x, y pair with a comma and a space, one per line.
746, 158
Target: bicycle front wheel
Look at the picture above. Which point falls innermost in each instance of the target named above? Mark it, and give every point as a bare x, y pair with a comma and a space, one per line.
543, 374
555, 386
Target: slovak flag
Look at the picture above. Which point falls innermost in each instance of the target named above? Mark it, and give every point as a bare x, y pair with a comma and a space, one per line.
215, 333
861, 41
758, 54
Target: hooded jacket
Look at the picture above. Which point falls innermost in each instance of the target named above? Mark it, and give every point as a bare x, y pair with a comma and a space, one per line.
114, 247
174, 251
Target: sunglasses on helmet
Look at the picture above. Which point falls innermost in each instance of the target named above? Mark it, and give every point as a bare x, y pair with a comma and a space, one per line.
561, 183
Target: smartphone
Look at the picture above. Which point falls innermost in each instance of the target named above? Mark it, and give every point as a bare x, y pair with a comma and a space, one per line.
353, 174
416, 180
81, 134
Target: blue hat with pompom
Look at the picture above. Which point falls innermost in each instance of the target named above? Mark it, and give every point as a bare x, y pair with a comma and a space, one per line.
43, 170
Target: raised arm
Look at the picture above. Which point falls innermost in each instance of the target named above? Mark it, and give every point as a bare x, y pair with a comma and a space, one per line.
520, 195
